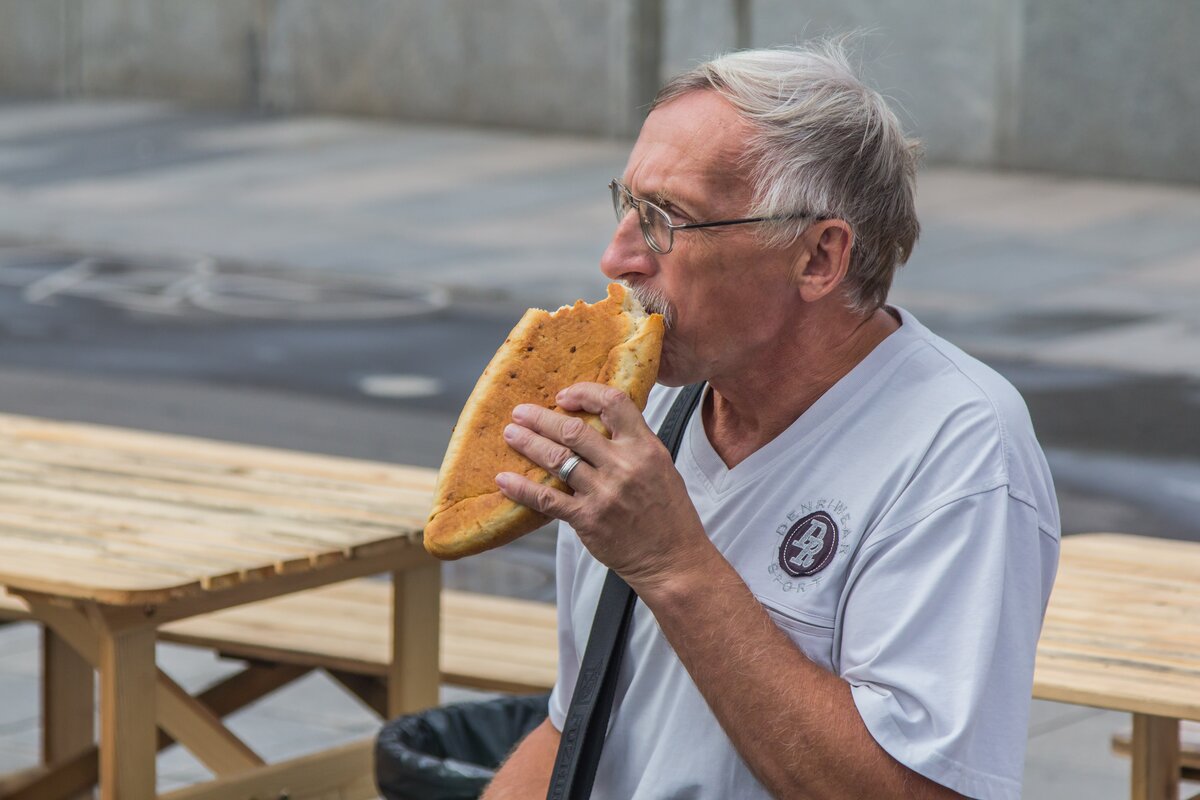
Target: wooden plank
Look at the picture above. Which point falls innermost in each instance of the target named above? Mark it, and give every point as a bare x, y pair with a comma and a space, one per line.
1155, 747
65, 779
299, 516
413, 672
1189, 745
247, 686
1122, 629
335, 770
291, 535
344, 627
156, 446
370, 691
127, 715
78, 774
152, 606
31, 456
201, 731
68, 701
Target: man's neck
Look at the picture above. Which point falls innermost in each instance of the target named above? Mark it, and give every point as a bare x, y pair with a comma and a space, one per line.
752, 405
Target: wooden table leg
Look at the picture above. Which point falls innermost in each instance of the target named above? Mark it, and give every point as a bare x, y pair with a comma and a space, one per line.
68, 701
416, 619
1155, 751
128, 736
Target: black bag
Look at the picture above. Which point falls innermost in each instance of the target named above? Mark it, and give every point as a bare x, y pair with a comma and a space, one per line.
452, 752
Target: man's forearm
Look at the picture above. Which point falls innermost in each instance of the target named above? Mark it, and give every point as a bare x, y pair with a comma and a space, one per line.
794, 723
525, 775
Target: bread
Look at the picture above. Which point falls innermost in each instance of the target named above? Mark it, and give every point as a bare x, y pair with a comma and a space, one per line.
614, 342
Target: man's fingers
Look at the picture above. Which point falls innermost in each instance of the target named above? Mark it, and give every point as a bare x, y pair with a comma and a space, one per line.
545, 499
547, 454
616, 410
570, 433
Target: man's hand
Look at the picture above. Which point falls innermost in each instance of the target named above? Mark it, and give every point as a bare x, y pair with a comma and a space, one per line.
630, 507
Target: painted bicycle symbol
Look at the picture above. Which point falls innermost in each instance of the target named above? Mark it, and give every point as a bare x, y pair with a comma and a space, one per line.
179, 285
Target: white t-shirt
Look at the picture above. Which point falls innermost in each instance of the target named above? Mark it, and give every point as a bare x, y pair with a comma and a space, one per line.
903, 532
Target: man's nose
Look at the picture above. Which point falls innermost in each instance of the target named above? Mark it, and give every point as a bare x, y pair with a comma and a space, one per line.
627, 253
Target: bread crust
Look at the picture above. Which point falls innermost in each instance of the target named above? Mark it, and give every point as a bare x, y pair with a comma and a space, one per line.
612, 342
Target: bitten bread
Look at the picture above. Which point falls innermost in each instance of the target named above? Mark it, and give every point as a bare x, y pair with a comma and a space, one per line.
614, 342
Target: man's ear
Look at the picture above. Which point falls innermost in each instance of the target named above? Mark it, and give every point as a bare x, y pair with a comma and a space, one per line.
824, 259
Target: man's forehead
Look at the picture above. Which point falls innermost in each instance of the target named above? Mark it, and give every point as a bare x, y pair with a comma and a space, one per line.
692, 144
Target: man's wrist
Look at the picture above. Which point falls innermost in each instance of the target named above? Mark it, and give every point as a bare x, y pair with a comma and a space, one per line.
679, 584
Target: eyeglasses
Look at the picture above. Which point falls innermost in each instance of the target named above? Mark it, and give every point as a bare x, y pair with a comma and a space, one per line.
657, 228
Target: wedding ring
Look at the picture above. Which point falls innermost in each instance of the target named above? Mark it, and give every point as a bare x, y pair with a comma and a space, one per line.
568, 466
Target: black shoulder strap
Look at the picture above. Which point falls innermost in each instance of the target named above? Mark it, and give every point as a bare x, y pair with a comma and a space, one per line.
587, 718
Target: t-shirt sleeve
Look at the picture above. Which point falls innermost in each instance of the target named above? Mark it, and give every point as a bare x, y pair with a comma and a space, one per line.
566, 559
938, 638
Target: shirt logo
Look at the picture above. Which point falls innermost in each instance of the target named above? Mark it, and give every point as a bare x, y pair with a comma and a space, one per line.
809, 545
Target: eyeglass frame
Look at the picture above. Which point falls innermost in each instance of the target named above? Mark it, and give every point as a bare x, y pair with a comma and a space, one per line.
617, 188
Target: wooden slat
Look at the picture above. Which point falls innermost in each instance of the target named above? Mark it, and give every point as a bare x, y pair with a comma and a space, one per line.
189, 450
486, 642
339, 772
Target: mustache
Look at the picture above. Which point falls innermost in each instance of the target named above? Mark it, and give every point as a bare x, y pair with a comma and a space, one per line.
653, 300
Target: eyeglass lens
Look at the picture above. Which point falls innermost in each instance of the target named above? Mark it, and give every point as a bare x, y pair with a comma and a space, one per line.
655, 224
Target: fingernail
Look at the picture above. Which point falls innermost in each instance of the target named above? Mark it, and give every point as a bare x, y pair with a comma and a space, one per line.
510, 432
502, 480
520, 413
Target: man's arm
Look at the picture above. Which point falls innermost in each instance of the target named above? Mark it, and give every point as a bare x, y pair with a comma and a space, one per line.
794, 723
526, 773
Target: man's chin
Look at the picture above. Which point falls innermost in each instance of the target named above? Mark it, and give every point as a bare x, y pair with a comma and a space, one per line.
672, 374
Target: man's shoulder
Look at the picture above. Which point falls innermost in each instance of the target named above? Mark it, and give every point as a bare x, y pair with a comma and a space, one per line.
944, 379
976, 414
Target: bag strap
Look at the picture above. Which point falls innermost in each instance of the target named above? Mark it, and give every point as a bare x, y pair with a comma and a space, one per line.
587, 718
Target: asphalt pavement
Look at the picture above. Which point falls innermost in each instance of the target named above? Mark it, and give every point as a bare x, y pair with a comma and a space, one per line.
336, 285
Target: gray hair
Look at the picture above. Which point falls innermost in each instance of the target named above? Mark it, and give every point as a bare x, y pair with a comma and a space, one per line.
825, 144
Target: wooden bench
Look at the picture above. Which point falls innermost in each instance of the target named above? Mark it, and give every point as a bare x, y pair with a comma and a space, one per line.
487, 642
1189, 749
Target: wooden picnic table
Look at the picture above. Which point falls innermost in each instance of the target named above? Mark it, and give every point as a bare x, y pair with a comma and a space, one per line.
108, 534
1122, 632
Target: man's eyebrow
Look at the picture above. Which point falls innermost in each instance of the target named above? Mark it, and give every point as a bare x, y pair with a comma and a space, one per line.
664, 196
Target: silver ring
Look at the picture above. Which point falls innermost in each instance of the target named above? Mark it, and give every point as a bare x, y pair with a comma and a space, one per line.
568, 466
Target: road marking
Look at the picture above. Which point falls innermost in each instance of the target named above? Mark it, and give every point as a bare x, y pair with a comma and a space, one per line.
400, 386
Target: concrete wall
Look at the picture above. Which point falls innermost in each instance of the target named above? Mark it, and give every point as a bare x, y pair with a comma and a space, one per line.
936, 59
1110, 87
1102, 87
524, 63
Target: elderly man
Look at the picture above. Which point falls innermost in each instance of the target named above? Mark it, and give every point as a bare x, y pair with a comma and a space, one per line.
842, 578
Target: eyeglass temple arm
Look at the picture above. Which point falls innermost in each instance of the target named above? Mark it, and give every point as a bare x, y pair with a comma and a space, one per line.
736, 221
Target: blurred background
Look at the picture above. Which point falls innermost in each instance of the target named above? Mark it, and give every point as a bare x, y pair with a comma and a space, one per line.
309, 225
